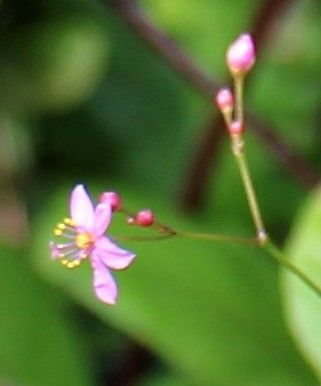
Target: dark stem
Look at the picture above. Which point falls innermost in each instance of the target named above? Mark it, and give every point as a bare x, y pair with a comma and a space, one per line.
136, 360
165, 47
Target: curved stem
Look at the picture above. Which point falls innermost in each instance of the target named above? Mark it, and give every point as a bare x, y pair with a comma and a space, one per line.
191, 235
166, 232
218, 237
278, 255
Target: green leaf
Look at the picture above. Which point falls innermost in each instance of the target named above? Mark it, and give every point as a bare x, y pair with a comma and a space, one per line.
302, 306
38, 346
210, 310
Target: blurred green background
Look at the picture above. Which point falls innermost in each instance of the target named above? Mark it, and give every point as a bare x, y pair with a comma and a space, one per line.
84, 99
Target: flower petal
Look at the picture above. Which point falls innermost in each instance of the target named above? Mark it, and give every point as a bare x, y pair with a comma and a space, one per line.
102, 217
81, 208
104, 284
111, 255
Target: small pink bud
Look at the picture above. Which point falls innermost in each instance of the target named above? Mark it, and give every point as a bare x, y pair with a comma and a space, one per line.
224, 99
111, 198
145, 217
240, 56
236, 128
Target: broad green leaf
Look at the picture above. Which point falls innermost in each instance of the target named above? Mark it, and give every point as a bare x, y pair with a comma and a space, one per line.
38, 345
302, 306
210, 310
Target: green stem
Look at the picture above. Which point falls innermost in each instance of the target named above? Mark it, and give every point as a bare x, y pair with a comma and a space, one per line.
145, 238
238, 86
191, 235
275, 252
218, 237
237, 145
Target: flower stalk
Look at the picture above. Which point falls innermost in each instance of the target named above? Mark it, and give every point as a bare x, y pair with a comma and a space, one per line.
238, 151
275, 252
238, 89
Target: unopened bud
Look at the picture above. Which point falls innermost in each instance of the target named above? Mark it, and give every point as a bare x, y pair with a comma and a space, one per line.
111, 198
225, 100
145, 218
236, 128
240, 56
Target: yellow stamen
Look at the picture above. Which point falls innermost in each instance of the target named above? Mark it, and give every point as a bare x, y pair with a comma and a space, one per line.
61, 226
69, 221
58, 232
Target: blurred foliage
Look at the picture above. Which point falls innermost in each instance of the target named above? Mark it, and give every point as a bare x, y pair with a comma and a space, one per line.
84, 99
303, 308
39, 346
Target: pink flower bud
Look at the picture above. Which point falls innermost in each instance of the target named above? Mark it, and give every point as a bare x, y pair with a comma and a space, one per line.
236, 128
240, 56
224, 99
111, 198
145, 217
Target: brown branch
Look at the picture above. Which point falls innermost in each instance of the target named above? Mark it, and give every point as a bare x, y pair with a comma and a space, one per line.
168, 51
165, 47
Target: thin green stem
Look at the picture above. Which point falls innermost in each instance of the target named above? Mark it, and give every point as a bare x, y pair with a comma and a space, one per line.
238, 86
237, 146
145, 238
228, 117
218, 237
238, 151
167, 232
191, 235
275, 252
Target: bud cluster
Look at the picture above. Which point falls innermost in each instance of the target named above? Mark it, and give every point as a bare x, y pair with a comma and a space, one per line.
143, 218
240, 58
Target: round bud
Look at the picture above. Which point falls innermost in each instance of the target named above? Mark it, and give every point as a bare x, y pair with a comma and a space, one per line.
111, 198
145, 218
236, 128
240, 56
224, 99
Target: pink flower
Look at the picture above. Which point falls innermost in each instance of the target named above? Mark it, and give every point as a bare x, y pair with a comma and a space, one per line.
83, 235
240, 56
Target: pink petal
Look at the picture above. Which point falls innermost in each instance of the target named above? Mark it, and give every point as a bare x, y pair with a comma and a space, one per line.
102, 217
104, 284
81, 208
111, 255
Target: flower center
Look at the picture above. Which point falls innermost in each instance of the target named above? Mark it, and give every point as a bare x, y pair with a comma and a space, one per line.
77, 245
84, 240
